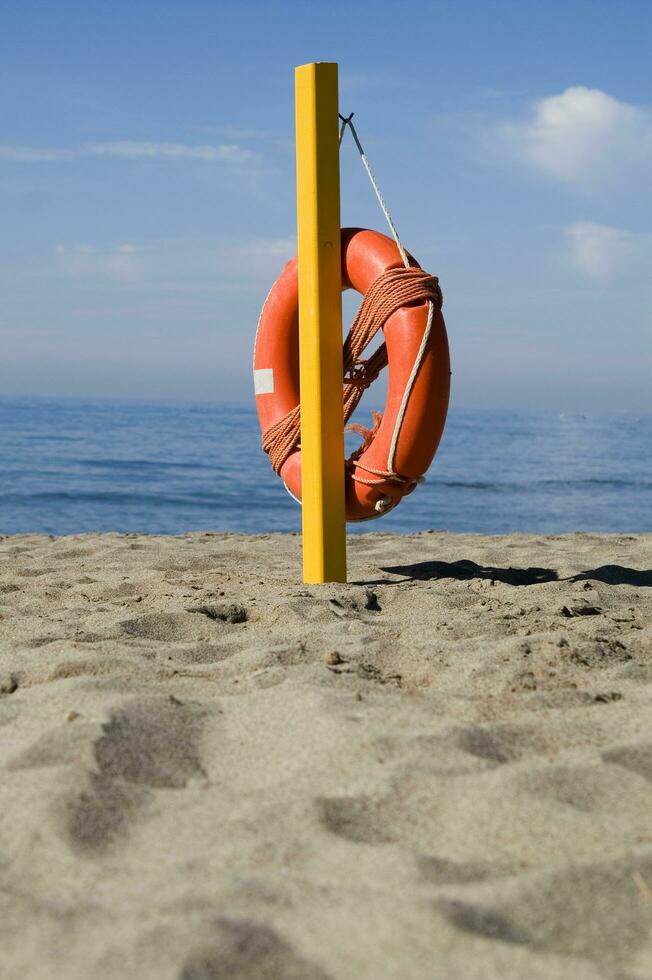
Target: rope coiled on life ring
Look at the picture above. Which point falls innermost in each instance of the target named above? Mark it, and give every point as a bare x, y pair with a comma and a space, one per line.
392, 290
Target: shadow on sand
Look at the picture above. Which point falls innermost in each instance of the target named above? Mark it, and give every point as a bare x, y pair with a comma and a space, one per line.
617, 575
465, 570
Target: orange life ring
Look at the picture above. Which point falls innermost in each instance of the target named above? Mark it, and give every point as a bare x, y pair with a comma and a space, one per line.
418, 389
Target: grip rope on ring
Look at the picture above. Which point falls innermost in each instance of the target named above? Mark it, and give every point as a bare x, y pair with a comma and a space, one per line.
387, 294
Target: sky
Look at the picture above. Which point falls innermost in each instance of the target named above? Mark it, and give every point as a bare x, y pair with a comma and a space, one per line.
147, 196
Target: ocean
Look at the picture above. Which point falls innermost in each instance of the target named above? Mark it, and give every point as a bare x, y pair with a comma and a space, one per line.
72, 465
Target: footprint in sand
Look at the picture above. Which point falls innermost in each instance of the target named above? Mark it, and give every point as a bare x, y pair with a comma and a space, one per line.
164, 627
247, 950
442, 871
203, 653
587, 788
144, 746
601, 651
154, 743
390, 817
354, 603
231, 612
381, 820
460, 750
636, 758
483, 743
102, 592
595, 911
72, 553
101, 812
360, 819
187, 625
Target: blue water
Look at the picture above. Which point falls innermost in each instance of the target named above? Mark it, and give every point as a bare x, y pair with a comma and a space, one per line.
70, 466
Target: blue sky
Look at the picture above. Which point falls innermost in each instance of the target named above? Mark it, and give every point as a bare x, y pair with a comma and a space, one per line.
147, 187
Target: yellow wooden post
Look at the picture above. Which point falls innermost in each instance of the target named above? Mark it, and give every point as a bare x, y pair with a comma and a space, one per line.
320, 324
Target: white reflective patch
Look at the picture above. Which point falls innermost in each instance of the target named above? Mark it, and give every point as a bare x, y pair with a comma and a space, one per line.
264, 381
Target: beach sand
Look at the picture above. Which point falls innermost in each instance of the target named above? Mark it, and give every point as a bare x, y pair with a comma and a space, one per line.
441, 770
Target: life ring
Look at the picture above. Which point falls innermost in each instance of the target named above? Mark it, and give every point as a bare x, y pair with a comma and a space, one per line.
391, 465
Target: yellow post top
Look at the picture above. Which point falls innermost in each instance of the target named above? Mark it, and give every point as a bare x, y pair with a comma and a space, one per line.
320, 323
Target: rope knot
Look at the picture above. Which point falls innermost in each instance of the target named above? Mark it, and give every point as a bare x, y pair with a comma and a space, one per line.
359, 375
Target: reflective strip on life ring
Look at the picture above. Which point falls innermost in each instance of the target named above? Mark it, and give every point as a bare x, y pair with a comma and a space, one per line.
418, 361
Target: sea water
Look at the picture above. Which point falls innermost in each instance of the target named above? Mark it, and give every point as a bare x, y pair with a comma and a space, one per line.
71, 465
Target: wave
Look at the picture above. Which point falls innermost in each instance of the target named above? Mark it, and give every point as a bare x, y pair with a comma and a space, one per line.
532, 485
123, 498
147, 465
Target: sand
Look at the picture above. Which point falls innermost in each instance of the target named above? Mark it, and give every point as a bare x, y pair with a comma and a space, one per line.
441, 770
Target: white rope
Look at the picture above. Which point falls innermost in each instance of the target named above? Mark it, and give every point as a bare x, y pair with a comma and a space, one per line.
346, 121
383, 503
408, 388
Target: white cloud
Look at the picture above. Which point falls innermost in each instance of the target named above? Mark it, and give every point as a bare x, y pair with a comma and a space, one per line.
33, 154
259, 258
270, 247
583, 136
130, 149
178, 265
123, 263
175, 151
602, 252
